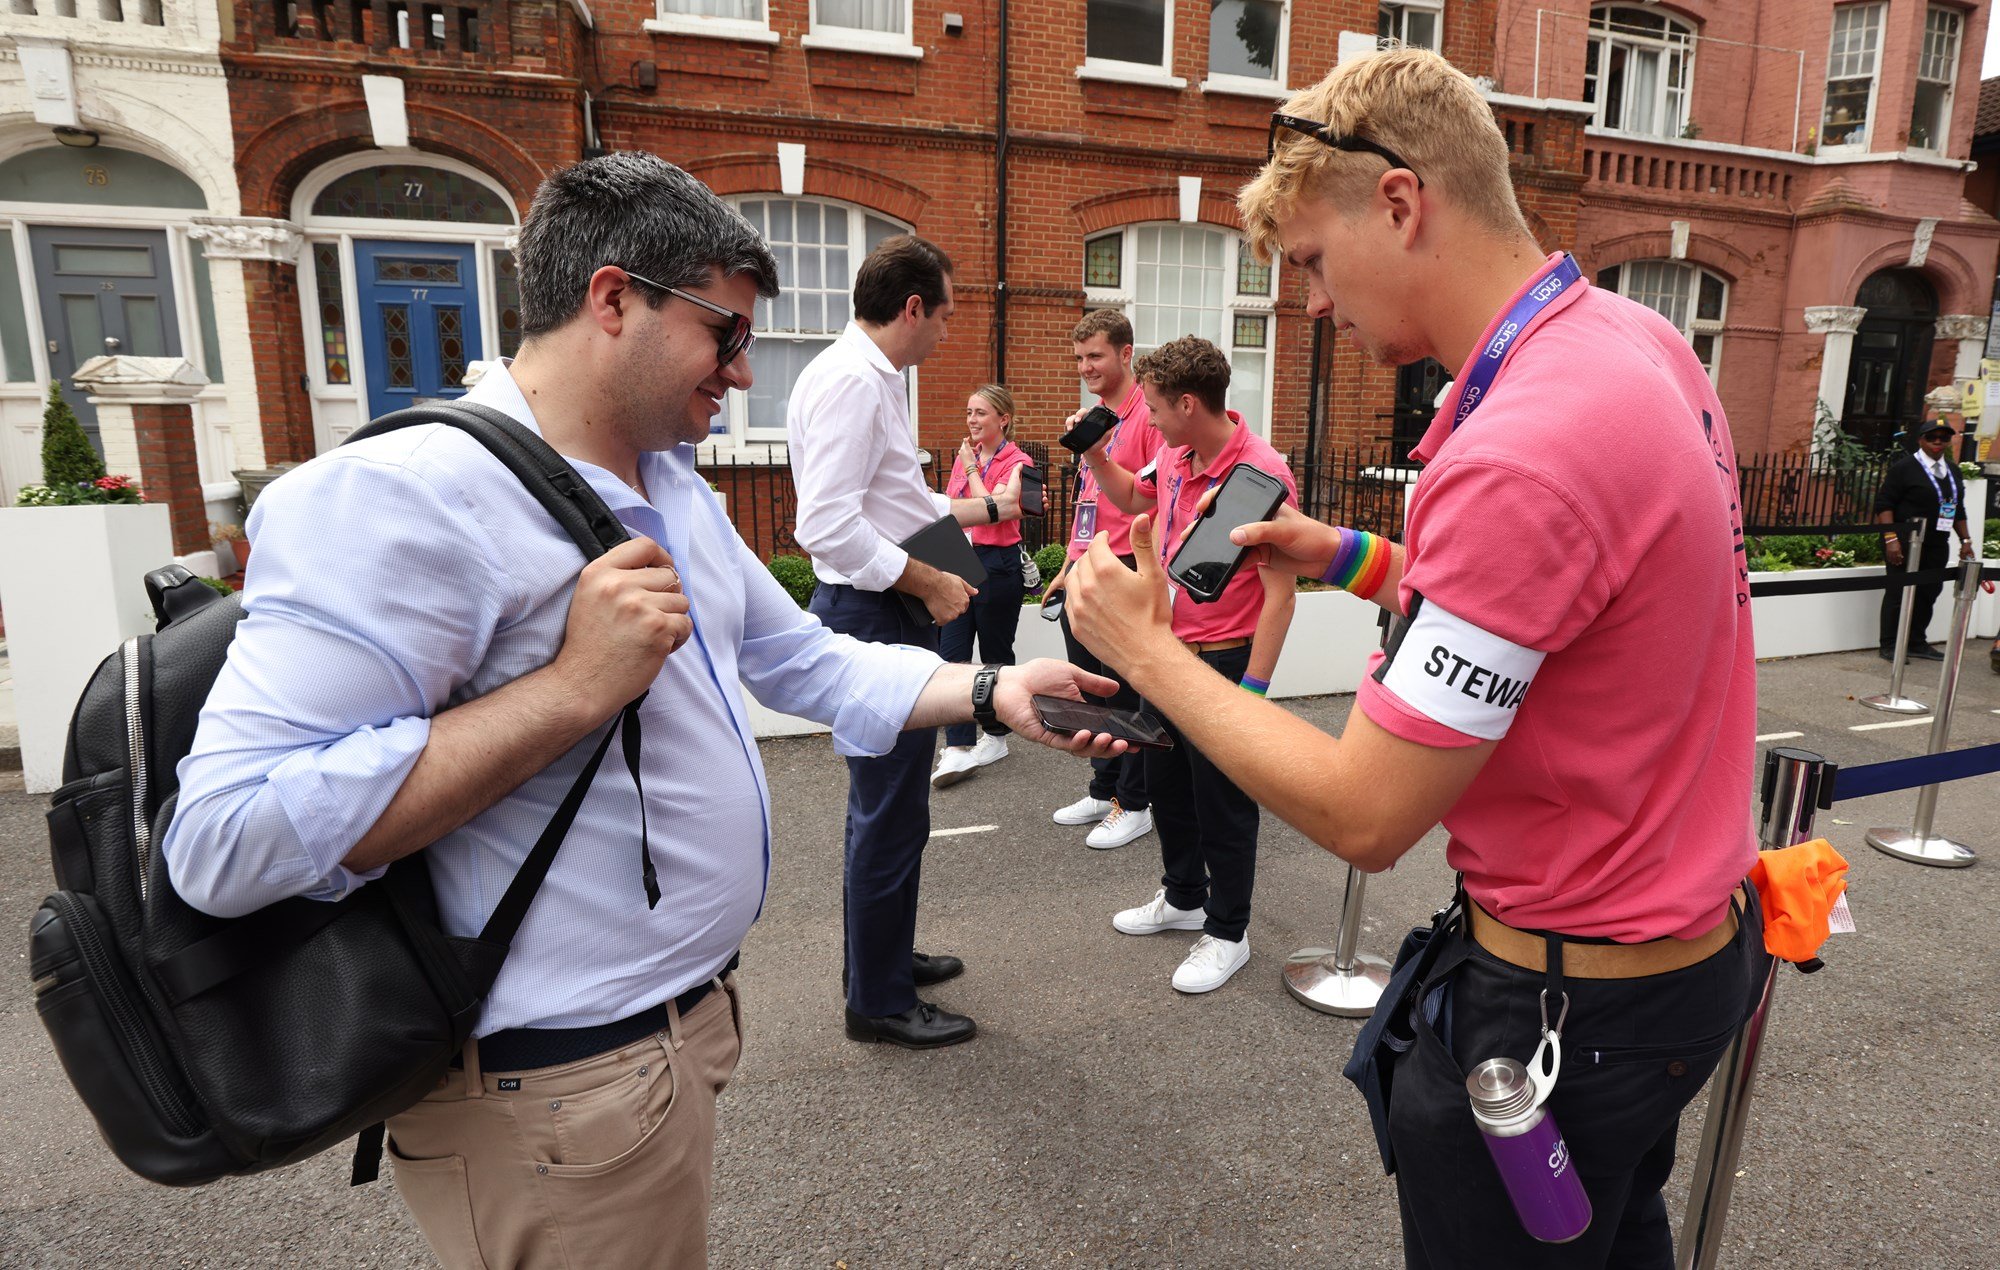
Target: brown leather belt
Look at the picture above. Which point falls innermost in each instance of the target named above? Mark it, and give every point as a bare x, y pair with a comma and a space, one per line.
1600, 961
1219, 646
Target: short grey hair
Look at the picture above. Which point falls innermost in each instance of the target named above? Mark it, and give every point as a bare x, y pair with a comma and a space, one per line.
636, 211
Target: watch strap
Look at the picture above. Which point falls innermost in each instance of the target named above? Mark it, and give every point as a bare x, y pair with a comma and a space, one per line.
984, 683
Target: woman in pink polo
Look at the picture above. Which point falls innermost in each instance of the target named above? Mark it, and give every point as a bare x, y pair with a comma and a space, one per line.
988, 465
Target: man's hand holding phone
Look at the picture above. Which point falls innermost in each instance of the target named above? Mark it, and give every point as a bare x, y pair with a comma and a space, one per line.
1291, 541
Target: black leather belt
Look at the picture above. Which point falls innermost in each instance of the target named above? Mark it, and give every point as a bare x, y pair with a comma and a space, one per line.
523, 1049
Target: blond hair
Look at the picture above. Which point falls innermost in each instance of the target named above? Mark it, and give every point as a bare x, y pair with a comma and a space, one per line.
1002, 402
1409, 100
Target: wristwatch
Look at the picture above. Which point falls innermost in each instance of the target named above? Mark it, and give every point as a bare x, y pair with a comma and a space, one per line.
984, 682
992, 510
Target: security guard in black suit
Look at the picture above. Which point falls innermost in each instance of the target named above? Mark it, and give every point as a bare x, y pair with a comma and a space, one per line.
1922, 486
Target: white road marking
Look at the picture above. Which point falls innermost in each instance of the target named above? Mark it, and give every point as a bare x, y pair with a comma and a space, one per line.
1893, 723
953, 833
1779, 736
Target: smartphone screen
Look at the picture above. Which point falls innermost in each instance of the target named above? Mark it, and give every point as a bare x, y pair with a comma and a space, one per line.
1204, 564
1052, 607
1135, 727
1034, 501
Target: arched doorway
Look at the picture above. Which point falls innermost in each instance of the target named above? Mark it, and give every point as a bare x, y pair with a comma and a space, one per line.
1892, 356
407, 279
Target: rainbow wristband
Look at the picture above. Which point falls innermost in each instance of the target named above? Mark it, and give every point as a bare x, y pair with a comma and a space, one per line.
1361, 564
1256, 685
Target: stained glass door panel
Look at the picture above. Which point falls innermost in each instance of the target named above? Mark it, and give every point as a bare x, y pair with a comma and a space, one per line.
419, 305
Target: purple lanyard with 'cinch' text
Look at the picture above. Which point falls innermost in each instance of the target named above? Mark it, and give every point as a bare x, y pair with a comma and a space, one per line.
1479, 380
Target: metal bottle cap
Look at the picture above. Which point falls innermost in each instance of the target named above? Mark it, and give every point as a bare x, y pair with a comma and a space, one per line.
1500, 1090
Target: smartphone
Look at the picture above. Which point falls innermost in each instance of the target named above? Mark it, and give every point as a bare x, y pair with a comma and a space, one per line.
1089, 430
1207, 560
1034, 492
1135, 727
1052, 607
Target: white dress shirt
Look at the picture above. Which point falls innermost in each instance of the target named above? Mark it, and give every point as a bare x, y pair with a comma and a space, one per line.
405, 574
860, 483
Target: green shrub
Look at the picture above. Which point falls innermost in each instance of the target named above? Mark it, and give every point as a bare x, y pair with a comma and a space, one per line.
1771, 564
67, 459
795, 574
1050, 560
1798, 549
217, 584
1865, 548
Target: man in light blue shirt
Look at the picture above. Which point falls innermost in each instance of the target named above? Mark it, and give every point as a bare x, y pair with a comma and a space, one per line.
421, 666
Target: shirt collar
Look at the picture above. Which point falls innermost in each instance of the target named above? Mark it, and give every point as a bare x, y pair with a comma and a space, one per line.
1440, 430
1227, 457
498, 390
1134, 399
869, 350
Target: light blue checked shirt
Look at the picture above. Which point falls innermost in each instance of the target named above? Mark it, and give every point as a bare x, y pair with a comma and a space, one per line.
402, 575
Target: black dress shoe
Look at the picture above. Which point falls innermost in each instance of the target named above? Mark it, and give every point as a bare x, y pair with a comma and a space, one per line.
1924, 652
921, 1027
929, 970
1886, 654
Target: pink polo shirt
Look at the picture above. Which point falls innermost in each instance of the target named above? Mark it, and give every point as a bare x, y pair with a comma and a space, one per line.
1233, 614
1579, 554
998, 471
1133, 446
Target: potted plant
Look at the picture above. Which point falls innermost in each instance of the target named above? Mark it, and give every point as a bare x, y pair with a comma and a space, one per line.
74, 552
229, 535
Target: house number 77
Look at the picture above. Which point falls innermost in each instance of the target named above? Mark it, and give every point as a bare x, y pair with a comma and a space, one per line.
420, 293
413, 189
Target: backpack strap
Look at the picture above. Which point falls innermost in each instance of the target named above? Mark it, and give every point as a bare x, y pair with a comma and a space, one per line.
544, 473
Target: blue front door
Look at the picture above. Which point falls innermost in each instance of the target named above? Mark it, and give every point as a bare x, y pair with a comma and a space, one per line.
419, 320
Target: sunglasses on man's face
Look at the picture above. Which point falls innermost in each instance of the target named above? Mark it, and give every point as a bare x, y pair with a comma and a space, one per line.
1318, 132
740, 340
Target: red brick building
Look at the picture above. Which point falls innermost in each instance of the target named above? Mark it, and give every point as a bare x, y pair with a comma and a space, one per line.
1804, 235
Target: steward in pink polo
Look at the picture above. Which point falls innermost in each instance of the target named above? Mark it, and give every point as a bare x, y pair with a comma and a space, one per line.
1570, 686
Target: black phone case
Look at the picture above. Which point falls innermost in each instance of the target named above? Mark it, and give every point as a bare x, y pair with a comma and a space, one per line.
1086, 433
1229, 574
1165, 741
1034, 490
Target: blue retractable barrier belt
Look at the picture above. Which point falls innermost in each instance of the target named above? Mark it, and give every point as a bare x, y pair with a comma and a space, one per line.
1908, 773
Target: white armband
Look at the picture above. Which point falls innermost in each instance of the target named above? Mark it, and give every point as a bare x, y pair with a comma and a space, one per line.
1456, 674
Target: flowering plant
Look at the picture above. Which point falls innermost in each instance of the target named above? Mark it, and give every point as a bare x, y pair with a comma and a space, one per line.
105, 489
1832, 558
1971, 471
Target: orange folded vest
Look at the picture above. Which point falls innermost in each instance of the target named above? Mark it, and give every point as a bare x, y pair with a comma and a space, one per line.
1797, 887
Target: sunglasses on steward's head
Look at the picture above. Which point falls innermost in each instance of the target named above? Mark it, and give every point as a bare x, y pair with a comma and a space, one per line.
1318, 132
740, 340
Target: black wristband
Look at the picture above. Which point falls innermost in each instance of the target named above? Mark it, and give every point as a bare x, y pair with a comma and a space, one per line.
984, 682
992, 510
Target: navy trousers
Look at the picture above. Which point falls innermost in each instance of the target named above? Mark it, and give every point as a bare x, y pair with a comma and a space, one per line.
888, 819
1123, 777
992, 616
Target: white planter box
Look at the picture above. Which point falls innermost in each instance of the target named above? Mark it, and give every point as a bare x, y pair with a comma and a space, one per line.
1326, 652
72, 582
1800, 625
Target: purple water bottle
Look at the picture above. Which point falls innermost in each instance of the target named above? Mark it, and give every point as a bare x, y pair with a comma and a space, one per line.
1528, 1150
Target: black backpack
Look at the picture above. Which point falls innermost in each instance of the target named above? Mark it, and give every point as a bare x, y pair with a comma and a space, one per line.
208, 1047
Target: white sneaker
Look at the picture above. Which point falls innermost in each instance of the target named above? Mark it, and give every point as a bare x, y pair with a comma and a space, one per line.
991, 749
1084, 811
1151, 919
954, 765
1210, 963
1120, 827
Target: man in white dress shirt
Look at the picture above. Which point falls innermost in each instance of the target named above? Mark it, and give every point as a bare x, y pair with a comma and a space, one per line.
421, 666
861, 492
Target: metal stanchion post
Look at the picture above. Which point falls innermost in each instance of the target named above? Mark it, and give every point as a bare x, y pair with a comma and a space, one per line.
1918, 844
1893, 700
1340, 981
1791, 793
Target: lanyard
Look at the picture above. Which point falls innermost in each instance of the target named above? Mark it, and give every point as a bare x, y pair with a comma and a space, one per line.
1947, 504
1166, 544
1479, 380
965, 482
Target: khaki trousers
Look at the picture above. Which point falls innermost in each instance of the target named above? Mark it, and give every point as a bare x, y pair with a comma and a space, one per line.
595, 1165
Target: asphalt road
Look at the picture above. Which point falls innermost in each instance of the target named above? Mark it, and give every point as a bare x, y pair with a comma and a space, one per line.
1100, 1118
